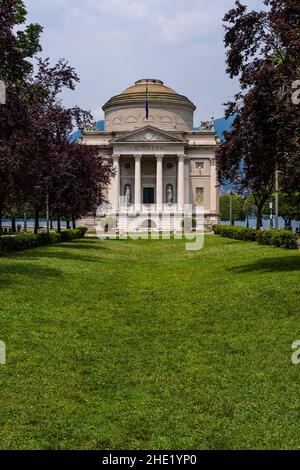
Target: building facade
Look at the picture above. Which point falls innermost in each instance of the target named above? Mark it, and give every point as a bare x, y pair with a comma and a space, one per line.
162, 165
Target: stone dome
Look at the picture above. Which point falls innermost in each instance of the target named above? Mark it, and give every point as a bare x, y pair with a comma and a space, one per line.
154, 87
168, 110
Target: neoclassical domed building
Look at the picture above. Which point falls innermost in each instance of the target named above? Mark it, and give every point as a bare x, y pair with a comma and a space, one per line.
161, 163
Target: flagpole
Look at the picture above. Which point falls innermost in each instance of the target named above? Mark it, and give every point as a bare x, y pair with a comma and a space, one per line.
147, 103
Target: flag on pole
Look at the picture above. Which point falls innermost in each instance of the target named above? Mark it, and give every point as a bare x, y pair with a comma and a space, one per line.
147, 103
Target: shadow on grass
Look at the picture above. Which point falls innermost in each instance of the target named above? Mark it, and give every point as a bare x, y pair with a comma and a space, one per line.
60, 251
289, 263
63, 256
31, 271
82, 245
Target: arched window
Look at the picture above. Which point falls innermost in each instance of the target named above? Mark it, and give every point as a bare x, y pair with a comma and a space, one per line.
166, 119
130, 119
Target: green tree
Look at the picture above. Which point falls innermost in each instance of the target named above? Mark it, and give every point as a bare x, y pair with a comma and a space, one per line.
16, 46
263, 51
289, 205
238, 211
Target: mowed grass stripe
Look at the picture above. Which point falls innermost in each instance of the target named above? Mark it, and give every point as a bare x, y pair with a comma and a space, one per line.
142, 344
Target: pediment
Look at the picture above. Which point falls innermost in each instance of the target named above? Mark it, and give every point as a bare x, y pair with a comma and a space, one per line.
148, 134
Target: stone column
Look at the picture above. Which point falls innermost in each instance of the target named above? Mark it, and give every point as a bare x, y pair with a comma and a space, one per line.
213, 186
116, 182
180, 189
137, 182
159, 180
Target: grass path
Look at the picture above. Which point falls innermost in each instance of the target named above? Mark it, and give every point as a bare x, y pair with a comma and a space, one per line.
141, 344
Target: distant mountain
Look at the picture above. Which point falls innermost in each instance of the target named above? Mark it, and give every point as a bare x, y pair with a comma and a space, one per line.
223, 125
76, 135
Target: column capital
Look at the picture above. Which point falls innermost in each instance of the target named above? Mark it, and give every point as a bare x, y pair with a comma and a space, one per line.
159, 157
181, 157
116, 156
137, 156
213, 161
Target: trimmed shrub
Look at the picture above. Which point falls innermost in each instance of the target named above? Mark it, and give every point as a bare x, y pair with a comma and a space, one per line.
71, 234
48, 238
279, 238
82, 230
239, 233
24, 241
17, 243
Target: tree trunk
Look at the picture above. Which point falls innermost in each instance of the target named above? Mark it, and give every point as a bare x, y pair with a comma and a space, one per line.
259, 216
73, 222
13, 224
36, 220
51, 224
1, 211
68, 223
58, 224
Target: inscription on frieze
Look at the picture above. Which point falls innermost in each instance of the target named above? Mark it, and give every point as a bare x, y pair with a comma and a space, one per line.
147, 147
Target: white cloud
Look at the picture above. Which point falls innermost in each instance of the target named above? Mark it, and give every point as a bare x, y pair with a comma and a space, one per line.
112, 43
124, 8
186, 26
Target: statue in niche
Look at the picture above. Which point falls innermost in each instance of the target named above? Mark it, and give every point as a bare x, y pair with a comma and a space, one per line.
169, 194
127, 194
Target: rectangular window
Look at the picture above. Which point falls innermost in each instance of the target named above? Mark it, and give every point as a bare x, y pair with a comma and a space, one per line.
199, 165
200, 196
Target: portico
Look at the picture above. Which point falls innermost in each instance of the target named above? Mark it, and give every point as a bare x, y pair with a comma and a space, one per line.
163, 188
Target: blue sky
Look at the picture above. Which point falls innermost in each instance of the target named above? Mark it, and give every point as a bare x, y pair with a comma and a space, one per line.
113, 43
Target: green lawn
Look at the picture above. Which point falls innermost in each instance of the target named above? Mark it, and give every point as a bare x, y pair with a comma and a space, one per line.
141, 344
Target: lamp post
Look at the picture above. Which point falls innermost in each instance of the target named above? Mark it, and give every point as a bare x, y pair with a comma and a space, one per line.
47, 211
276, 197
271, 215
230, 204
230, 207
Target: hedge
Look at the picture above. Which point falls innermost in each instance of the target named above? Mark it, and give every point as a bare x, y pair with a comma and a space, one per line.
279, 238
24, 241
239, 233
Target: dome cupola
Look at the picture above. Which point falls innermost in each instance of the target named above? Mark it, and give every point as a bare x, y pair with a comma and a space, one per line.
168, 110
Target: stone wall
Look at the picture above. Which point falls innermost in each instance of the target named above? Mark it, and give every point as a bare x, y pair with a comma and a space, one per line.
167, 118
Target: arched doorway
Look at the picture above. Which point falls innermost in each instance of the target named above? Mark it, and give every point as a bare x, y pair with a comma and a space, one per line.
148, 224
